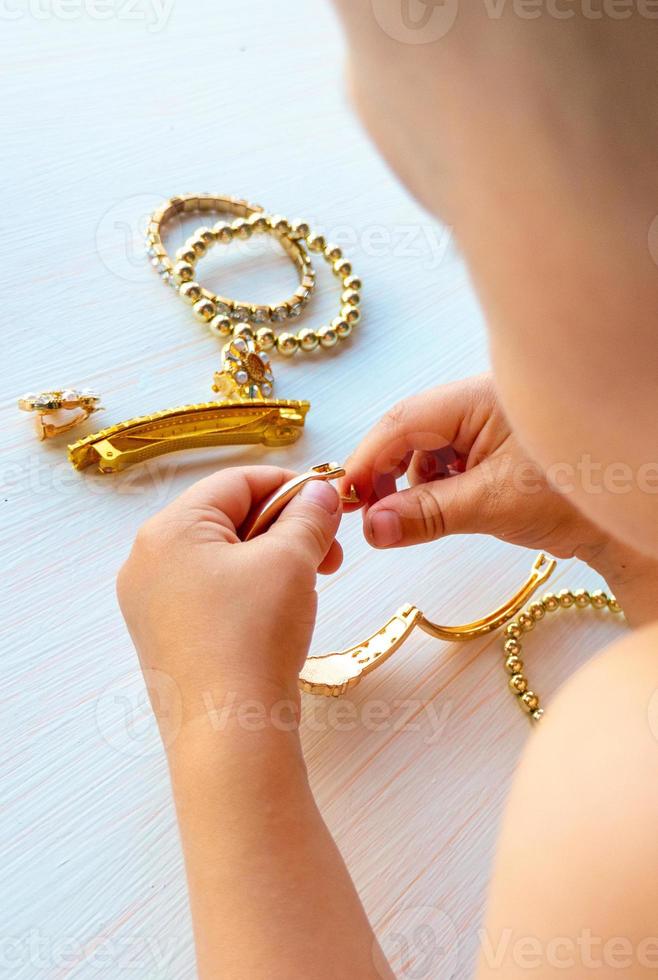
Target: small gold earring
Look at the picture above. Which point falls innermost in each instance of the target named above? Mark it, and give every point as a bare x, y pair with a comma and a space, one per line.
84, 403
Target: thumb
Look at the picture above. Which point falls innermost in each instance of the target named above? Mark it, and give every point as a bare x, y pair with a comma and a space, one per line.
461, 504
309, 523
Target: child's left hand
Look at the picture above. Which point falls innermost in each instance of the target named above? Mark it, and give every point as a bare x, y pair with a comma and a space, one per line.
216, 615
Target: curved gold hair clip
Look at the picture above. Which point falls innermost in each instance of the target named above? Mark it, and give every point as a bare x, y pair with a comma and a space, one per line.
332, 674
245, 415
226, 423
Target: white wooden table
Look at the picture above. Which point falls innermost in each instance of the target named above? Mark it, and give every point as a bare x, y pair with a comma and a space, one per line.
102, 120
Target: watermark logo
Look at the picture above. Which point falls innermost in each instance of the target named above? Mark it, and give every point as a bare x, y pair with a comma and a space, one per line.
124, 716
415, 21
419, 943
121, 237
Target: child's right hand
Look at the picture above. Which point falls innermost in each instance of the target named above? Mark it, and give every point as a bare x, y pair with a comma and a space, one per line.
468, 474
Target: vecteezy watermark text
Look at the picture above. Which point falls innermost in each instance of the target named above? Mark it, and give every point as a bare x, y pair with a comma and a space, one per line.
584, 951
153, 13
427, 21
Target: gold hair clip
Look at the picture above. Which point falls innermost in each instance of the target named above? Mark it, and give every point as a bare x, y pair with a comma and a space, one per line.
243, 416
225, 423
47, 404
332, 674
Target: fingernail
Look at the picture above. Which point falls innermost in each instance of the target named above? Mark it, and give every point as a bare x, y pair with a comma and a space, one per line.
385, 528
322, 494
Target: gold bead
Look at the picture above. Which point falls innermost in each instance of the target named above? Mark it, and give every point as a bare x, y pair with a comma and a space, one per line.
565, 598
316, 243
183, 272
514, 665
537, 610
526, 622
190, 292
342, 268
299, 229
221, 326
205, 235
332, 253
551, 602
581, 598
265, 338
351, 314
328, 336
223, 232
241, 228
258, 222
514, 630
512, 646
599, 599
186, 254
613, 605
350, 297
279, 224
308, 339
204, 310
197, 245
287, 344
353, 282
342, 327
518, 683
538, 714
243, 330
530, 701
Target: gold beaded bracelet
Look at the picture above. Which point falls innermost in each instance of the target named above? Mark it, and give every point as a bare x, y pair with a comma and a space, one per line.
181, 273
566, 599
223, 315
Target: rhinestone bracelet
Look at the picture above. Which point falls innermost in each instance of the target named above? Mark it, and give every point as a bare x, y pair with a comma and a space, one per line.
226, 317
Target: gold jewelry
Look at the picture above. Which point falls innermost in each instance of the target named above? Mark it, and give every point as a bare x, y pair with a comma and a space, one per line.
270, 509
225, 423
84, 403
246, 414
566, 599
221, 312
246, 371
332, 674
251, 219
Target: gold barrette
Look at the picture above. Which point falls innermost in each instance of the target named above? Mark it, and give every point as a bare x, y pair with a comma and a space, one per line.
332, 674
46, 404
245, 415
224, 423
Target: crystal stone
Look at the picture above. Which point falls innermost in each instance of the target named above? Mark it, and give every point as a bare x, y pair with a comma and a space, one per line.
45, 401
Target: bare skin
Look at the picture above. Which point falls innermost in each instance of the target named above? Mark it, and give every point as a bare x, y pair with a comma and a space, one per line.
535, 139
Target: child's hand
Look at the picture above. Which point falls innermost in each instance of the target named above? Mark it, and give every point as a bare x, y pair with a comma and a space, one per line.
218, 616
468, 474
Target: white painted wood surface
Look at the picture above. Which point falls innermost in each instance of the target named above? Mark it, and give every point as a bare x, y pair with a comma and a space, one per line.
102, 119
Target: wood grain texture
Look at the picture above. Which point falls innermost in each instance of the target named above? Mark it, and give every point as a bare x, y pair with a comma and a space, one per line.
102, 119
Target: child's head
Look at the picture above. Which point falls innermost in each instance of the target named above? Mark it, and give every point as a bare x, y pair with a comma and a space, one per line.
531, 126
